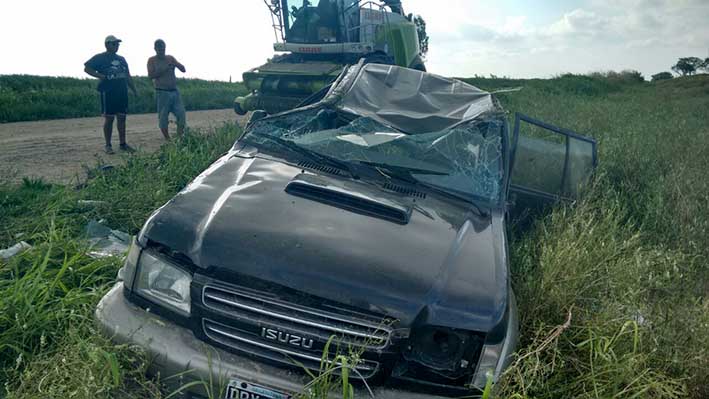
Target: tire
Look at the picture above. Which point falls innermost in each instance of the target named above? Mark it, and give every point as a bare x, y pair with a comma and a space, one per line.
238, 109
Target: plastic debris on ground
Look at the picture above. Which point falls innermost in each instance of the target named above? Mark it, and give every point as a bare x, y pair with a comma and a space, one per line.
91, 203
8, 253
106, 241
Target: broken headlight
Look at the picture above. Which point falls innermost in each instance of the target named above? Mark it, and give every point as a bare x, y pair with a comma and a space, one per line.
163, 283
441, 355
488, 364
501, 343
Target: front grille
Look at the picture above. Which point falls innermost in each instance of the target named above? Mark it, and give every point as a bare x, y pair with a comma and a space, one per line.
236, 339
268, 327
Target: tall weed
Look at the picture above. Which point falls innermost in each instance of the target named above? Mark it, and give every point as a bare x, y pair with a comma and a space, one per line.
48, 293
44, 292
588, 269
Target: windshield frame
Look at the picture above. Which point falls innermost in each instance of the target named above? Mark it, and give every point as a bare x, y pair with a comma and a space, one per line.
285, 12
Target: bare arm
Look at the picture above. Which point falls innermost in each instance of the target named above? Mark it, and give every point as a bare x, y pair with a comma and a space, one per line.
92, 72
177, 65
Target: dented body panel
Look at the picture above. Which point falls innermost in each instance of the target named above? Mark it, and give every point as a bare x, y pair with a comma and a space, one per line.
239, 218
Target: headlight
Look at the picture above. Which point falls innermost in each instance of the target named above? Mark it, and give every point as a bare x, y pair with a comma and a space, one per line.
164, 283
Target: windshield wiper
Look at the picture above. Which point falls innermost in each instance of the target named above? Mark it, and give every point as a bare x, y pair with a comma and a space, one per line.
406, 173
312, 155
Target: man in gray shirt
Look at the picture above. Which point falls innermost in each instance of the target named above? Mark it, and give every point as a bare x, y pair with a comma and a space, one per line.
161, 68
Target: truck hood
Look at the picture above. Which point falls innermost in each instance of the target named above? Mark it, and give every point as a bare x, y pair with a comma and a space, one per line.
444, 266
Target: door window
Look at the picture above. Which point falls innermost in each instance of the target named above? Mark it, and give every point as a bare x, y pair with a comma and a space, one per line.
549, 163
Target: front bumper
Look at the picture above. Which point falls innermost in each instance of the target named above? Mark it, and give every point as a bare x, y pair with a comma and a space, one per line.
174, 351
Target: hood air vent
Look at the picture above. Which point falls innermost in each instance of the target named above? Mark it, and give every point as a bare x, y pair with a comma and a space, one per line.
409, 192
321, 168
351, 201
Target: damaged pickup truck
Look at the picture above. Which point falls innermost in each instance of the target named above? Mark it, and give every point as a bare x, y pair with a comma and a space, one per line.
371, 221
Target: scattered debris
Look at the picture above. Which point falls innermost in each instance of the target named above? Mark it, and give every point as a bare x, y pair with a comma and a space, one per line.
105, 241
8, 253
91, 202
94, 171
640, 319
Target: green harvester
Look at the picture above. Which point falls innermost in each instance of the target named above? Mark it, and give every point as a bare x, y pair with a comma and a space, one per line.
315, 42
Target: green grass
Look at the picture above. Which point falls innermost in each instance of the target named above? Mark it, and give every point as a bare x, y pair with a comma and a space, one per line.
47, 294
629, 261
612, 290
29, 98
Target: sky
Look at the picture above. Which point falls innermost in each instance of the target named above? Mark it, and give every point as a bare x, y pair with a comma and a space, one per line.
218, 39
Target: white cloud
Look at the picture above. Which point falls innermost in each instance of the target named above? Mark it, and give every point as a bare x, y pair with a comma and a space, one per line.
646, 35
578, 22
222, 38
515, 25
213, 40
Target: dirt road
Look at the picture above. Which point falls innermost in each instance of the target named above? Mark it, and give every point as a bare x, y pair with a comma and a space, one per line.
56, 150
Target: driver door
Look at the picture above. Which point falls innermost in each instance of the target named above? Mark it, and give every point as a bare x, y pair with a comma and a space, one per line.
547, 164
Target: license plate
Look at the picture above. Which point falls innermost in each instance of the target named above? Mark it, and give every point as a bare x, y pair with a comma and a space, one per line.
238, 389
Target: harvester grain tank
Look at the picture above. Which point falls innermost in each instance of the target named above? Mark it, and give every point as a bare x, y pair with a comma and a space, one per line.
316, 41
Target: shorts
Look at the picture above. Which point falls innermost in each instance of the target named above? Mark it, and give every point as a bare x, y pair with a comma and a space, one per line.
114, 102
170, 101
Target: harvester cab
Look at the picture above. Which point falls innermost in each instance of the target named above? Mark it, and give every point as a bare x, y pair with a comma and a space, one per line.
316, 39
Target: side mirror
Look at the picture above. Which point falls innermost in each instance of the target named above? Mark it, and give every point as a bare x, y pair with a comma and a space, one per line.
256, 116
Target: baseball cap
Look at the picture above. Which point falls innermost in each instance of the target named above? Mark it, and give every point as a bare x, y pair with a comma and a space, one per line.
111, 38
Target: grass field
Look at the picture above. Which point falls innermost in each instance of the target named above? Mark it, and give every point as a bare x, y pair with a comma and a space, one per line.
30, 98
612, 290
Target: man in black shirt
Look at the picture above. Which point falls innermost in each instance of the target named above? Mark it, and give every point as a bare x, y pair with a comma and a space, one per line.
114, 80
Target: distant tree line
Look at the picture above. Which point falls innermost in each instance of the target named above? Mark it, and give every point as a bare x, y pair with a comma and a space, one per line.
662, 76
690, 65
624, 77
421, 31
685, 66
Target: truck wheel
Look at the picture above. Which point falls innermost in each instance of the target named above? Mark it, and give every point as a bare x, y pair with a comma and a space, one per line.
238, 109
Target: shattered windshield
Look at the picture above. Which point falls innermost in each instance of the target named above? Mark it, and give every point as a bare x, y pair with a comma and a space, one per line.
465, 160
